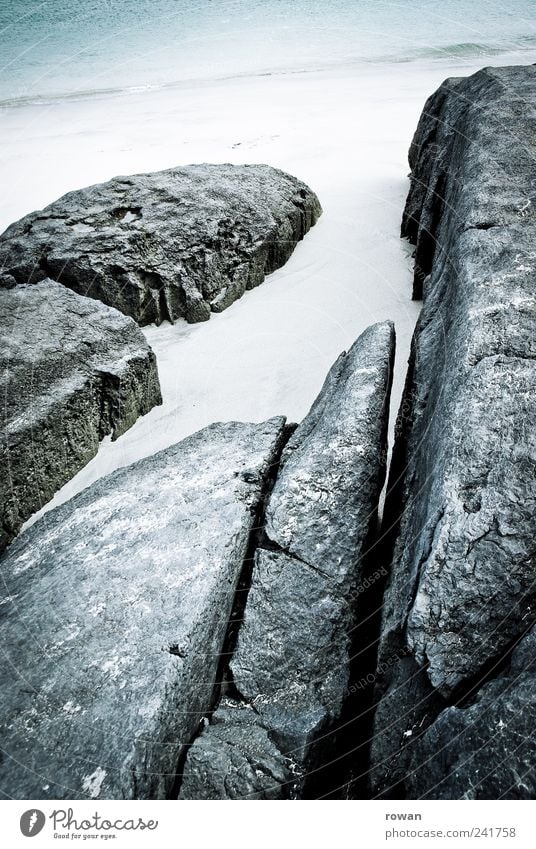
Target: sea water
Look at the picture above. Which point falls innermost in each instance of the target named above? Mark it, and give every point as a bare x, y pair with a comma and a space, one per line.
76, 47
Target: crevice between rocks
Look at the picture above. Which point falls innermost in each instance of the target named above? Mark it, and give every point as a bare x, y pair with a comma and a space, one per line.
268, 544
485, 225
346, 776
224, 685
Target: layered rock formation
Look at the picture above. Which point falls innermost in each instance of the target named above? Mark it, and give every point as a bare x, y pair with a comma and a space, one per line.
177, 243
461, 506
275, 729
114, 611
71, 371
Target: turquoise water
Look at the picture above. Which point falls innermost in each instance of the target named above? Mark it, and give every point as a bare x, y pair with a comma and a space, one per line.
59, 48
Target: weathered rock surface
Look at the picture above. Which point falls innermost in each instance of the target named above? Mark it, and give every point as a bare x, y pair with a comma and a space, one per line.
292, 664
177, 243
462, 483
71, 372
485, 750
114, 611
237, 759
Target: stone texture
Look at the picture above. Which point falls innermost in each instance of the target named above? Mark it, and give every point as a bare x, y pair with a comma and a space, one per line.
292, 662
71, 372
177, 243
486, 749
462, 486
326, 494
114, 611
406, 707
237, 760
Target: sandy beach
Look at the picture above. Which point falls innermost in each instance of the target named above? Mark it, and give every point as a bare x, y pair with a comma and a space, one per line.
345, 132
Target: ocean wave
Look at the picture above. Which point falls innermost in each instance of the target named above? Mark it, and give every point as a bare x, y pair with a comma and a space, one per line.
49, 98
463, 49
458, 50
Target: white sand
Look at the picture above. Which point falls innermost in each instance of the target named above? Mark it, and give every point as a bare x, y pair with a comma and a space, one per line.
346, 133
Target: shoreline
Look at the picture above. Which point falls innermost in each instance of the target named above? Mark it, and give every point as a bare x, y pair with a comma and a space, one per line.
423, 60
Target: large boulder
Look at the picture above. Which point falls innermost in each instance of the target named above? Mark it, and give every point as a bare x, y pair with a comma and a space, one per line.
71, 371
462, 490
182, 242
114, 612
291, 669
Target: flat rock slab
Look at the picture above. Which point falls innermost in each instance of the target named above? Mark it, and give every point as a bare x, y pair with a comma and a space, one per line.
463, 475
176, 243
71, 372
293, 657
114, 611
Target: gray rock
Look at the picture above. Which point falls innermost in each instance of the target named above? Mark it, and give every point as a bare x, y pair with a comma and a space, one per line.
326, 496
71, 372
485, 750
114, 611
237, 760
293, 657
182, 242
405, 710
462, 487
